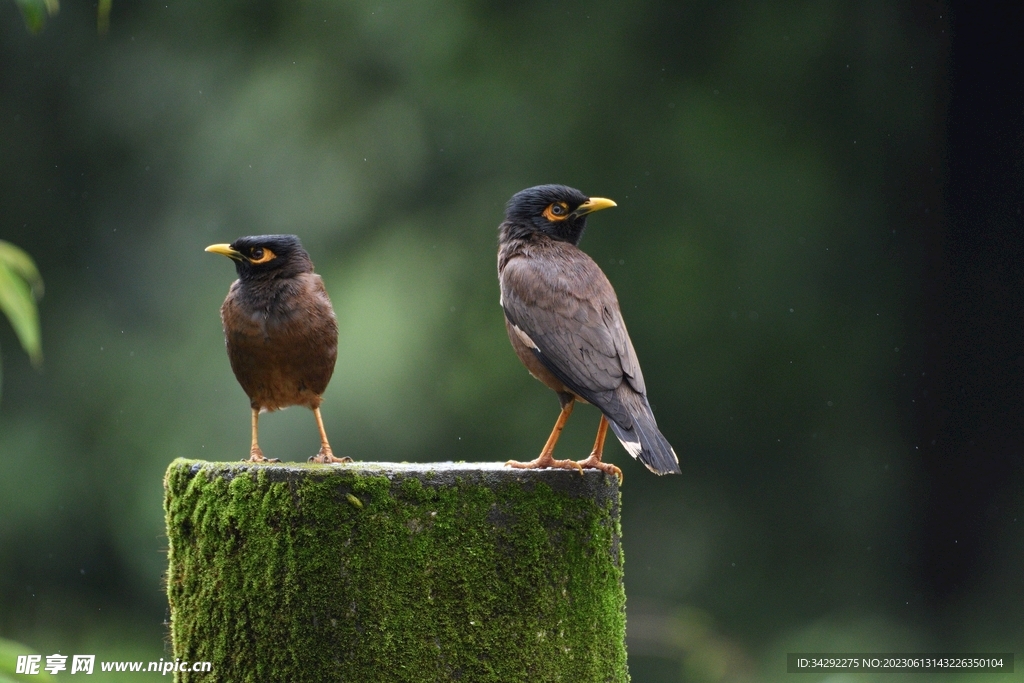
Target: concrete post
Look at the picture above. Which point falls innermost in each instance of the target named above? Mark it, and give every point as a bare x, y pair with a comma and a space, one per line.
394, 572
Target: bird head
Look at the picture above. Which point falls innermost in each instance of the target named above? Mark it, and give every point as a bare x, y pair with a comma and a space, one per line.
557, 211
264, 257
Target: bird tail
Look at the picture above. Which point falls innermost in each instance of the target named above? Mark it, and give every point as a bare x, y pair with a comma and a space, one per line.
645, 442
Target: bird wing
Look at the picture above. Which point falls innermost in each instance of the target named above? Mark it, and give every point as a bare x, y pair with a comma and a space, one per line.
566, 306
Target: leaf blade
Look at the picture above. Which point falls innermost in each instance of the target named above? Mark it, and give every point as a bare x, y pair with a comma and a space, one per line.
18, 304
18, 260
34, 12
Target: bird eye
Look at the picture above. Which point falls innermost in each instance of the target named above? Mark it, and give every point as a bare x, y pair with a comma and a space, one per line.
557, 211
261, 255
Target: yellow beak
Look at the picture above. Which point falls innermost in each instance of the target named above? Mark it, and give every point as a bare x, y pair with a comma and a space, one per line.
593, 204
224, 250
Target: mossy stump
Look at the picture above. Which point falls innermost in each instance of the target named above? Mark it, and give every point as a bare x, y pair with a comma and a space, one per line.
387, 572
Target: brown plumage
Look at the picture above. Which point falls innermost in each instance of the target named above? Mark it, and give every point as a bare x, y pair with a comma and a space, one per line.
564, 323
280, 330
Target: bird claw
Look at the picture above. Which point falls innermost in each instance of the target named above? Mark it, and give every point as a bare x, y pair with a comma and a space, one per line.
329, 459
257, 456
542, 463
326, 457
594, 463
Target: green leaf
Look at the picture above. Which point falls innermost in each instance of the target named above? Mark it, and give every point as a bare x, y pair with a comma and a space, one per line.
9, 652
20, 285
22, 264
103, 16
36, 11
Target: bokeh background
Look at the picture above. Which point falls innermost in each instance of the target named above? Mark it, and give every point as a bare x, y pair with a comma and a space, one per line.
817, 250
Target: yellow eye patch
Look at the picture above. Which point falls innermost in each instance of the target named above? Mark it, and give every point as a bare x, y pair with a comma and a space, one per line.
558, 211
261, 255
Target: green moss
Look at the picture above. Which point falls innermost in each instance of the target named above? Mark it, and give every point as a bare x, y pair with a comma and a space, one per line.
361, 573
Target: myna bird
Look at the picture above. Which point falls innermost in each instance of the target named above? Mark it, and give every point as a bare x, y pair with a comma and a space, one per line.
563, 319
280, 330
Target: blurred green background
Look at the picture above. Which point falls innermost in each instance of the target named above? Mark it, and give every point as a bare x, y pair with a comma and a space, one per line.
827, 330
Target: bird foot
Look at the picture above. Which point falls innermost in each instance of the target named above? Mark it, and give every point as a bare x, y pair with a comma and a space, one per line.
256, 455
326, 457
594, 463
543, 462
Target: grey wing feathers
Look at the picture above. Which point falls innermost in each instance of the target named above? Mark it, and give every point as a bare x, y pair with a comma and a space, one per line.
572, 315
582, 340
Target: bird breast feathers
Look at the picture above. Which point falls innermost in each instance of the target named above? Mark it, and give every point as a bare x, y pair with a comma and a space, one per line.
303, 297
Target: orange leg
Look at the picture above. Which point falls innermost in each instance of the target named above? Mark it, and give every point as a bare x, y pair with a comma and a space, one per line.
545, 459
326, 455
594, 461
255, 453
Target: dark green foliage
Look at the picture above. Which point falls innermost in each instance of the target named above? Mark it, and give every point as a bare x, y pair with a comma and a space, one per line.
787, 206
20, 286
308, 573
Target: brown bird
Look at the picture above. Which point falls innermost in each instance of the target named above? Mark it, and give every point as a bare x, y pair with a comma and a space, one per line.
564, 323
280, 330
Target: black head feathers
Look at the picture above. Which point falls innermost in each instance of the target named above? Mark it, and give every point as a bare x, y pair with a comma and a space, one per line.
557, 211
266, 256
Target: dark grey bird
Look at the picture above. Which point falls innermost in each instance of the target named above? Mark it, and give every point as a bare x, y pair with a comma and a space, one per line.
280, 330
564, 323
